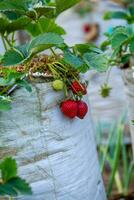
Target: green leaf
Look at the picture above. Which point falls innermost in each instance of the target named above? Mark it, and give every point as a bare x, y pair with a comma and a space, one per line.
115, 15
47, 11
12, 57
105, 44
118, 40
72, 60
126, 30
132, 45
8, 169
16, 55
84, 68
23, 49
14, 5
11, 15
11, 184
20, 185
84, 48
129, 30
14, 187
25, 84
44, 41
28, 8
5, 82
18, 24
62, 5
131, 9
7, 189
4, 22
44, 25
10, 26
96, 61
1, 57
125, 58
5, 103
24, 53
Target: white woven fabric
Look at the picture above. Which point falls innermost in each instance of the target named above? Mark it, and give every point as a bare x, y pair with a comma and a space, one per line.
128, 78
55, 154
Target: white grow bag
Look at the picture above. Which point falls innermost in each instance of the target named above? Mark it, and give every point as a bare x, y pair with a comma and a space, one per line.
56, 155
128, 77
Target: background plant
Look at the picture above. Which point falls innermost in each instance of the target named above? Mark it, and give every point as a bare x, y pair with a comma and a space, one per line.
121, 44
116, 157
126, 14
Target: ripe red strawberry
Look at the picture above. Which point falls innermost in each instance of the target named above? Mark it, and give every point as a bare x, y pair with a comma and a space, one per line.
78, 88
69, 108
82, 109
86, 28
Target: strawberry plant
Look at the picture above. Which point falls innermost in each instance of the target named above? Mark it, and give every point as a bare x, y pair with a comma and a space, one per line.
85, 7
120, 41
127, 15
21, 63
120, 47
45, 57
10, 183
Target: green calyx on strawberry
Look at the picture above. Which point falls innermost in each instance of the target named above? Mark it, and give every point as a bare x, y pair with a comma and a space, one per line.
78, 88
72, 109
58, 85
105, 90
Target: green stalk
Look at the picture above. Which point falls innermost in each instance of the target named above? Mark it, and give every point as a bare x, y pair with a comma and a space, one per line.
53, 52
41, 30
39, 25
116, 158
13, 35
75, 78
107, 147
63, 66
60, 68
108, 74
7, 40
129, 177
4, 43
125, 162
117, 177
54, 72
118, 182
5, 90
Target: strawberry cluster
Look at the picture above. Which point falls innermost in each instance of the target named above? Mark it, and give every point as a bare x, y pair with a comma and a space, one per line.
72, 108
75, 108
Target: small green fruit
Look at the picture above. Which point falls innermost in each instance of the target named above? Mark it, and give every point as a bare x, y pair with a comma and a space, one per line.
58, 85
105, 90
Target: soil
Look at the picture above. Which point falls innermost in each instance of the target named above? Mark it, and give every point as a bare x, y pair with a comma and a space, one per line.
130, 196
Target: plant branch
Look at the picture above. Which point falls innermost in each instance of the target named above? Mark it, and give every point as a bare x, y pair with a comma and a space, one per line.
7, 40
4, 43
13, 35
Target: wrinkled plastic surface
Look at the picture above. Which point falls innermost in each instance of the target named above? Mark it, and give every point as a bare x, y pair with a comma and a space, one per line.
56, 155
128, 77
